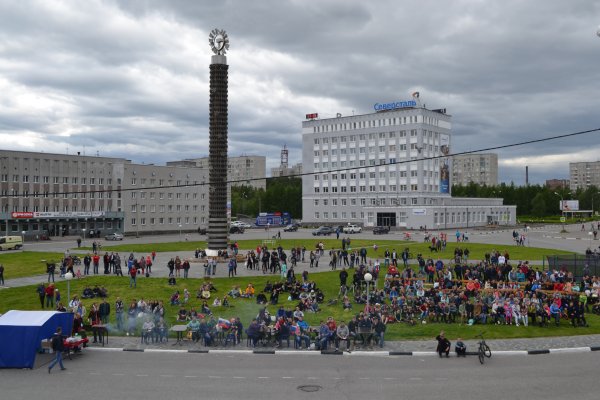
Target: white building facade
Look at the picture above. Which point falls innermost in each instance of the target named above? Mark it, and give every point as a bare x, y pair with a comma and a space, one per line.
388, 168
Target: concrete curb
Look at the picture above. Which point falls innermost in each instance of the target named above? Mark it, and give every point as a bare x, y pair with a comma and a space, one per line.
352, 354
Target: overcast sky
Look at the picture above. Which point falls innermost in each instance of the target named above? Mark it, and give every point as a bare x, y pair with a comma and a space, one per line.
130, 78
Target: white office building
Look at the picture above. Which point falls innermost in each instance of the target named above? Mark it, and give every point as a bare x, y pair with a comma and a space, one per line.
387, 168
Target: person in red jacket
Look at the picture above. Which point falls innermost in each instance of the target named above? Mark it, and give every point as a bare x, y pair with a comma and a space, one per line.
132, 277
49, 291
96, 262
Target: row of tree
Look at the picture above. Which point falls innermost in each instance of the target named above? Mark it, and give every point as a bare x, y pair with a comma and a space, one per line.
285, 194
282, 194
532, 200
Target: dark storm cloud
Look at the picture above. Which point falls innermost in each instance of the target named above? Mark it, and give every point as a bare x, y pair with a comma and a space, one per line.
130, 78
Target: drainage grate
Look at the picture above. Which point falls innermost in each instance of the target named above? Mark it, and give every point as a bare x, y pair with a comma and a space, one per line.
309, 388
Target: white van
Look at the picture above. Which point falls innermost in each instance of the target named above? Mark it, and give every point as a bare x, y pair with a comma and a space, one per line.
11, 242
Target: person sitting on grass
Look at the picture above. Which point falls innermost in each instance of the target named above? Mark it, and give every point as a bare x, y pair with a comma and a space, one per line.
235, 292
175, 298
249, 292
217, 302
182, 315
205, 309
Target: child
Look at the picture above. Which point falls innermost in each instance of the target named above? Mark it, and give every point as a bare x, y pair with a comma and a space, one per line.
461, 348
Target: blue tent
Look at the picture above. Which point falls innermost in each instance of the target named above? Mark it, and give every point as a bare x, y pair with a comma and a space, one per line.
21, 334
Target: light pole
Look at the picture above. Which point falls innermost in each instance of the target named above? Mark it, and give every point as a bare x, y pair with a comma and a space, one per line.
368, 279
590, 234
180, 232
68, 277
23, 236
593, 195
83, 233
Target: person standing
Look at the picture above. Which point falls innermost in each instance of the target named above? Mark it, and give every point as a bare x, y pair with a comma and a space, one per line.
79, 242
96, 262
104, 310
41, 291
132, 277
58, 347
87, 261
94, 319
186, 268
50, 268
119, 309
50, 296
443, 344
1, 274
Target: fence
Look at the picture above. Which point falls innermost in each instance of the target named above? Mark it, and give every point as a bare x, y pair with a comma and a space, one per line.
575, 263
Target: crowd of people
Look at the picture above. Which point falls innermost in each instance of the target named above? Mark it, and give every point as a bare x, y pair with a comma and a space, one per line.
494, 290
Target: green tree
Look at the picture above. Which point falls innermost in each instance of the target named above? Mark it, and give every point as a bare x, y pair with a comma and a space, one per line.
538, 205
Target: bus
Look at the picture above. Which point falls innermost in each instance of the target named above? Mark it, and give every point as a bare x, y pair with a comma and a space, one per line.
276, 218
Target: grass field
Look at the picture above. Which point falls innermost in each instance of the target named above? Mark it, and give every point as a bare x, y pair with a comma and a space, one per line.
25, 298
477, 250
26, 263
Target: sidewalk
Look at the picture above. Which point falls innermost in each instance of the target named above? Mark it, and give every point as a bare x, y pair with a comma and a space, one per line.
533, 344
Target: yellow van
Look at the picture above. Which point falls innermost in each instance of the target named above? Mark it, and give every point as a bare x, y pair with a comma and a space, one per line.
11, 242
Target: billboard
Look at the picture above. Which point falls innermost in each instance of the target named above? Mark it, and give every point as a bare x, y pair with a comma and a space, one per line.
569, 205
445, 167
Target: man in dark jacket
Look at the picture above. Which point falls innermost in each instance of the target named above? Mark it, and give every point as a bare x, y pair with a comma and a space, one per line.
443, 344
58, 347
104, 311
379, 329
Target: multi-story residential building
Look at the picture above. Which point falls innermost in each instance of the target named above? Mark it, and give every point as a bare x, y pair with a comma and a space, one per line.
391, 167
241, 171
43, 194
584, 174
480, 168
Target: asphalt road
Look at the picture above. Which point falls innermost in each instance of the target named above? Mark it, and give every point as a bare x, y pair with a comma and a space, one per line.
548, 236
126, 375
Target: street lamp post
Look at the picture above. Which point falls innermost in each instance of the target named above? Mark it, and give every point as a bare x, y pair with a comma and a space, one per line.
593, 195
23, 236
590, 234
368, 279
180, 232
68, 277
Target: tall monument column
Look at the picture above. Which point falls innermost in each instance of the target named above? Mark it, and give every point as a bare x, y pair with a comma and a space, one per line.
217, 154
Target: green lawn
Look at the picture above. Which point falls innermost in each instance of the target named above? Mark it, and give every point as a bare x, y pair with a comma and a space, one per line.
477, 250
26, 263
25, 298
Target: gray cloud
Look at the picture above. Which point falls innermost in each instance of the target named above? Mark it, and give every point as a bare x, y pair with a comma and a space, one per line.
130, 78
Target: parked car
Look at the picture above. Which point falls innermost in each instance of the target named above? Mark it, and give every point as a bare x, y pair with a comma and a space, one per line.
241, 224
290, 228
202, 231
350, 228
381, 230
236, 229
114, 236
323, 231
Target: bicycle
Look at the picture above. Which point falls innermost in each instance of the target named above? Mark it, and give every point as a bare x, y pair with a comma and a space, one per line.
484, 349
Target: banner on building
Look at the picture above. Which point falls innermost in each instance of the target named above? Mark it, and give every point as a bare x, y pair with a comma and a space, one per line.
56, 214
